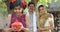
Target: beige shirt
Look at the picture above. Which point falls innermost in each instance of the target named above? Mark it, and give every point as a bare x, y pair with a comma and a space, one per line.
48, 20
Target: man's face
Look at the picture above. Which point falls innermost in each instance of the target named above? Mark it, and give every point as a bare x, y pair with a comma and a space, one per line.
31, 7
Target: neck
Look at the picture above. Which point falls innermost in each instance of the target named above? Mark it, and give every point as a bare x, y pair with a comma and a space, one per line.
30, 12
18, 14
43, 14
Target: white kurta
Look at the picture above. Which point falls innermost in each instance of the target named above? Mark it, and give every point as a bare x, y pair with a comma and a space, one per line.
32, 26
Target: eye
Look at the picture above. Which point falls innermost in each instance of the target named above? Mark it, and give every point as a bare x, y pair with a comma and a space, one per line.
15, 8
18, 8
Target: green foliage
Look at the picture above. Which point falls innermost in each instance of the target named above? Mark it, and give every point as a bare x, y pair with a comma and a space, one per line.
27, 4
43, 2
56, 0
3, 8
27, 1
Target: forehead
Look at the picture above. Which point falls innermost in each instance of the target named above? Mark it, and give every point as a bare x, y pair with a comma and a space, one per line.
41, 8
31, 5
17, 7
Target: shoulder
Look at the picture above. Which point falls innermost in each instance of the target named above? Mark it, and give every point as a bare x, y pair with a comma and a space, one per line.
51, 18
9, 15
26, 15
23, 14
50, 15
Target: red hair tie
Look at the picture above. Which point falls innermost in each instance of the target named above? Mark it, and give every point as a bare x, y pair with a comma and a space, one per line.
24, 4
13, 1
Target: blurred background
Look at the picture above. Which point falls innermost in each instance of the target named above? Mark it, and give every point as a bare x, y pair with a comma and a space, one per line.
52, 6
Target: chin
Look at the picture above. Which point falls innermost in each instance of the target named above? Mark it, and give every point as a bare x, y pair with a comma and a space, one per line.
18, 12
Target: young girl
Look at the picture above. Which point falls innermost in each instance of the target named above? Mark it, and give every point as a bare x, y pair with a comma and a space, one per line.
17, 16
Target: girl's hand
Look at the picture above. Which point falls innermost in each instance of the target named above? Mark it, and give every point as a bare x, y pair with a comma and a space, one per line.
41, 28
17, 27
25, 29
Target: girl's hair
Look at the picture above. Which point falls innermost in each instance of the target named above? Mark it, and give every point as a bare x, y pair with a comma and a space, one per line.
21, 3
40, 6
16, 3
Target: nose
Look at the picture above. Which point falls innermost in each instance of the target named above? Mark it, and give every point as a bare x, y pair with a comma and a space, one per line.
17, 10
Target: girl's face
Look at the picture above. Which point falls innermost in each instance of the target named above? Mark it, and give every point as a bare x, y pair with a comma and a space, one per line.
18, 9
42, 10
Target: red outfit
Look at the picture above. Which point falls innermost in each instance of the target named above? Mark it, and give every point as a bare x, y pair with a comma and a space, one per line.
20, 19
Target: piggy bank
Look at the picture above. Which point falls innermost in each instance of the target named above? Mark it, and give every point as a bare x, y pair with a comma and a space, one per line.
17, 25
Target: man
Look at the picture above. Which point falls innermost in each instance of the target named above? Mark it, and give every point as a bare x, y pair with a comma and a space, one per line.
32, 15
